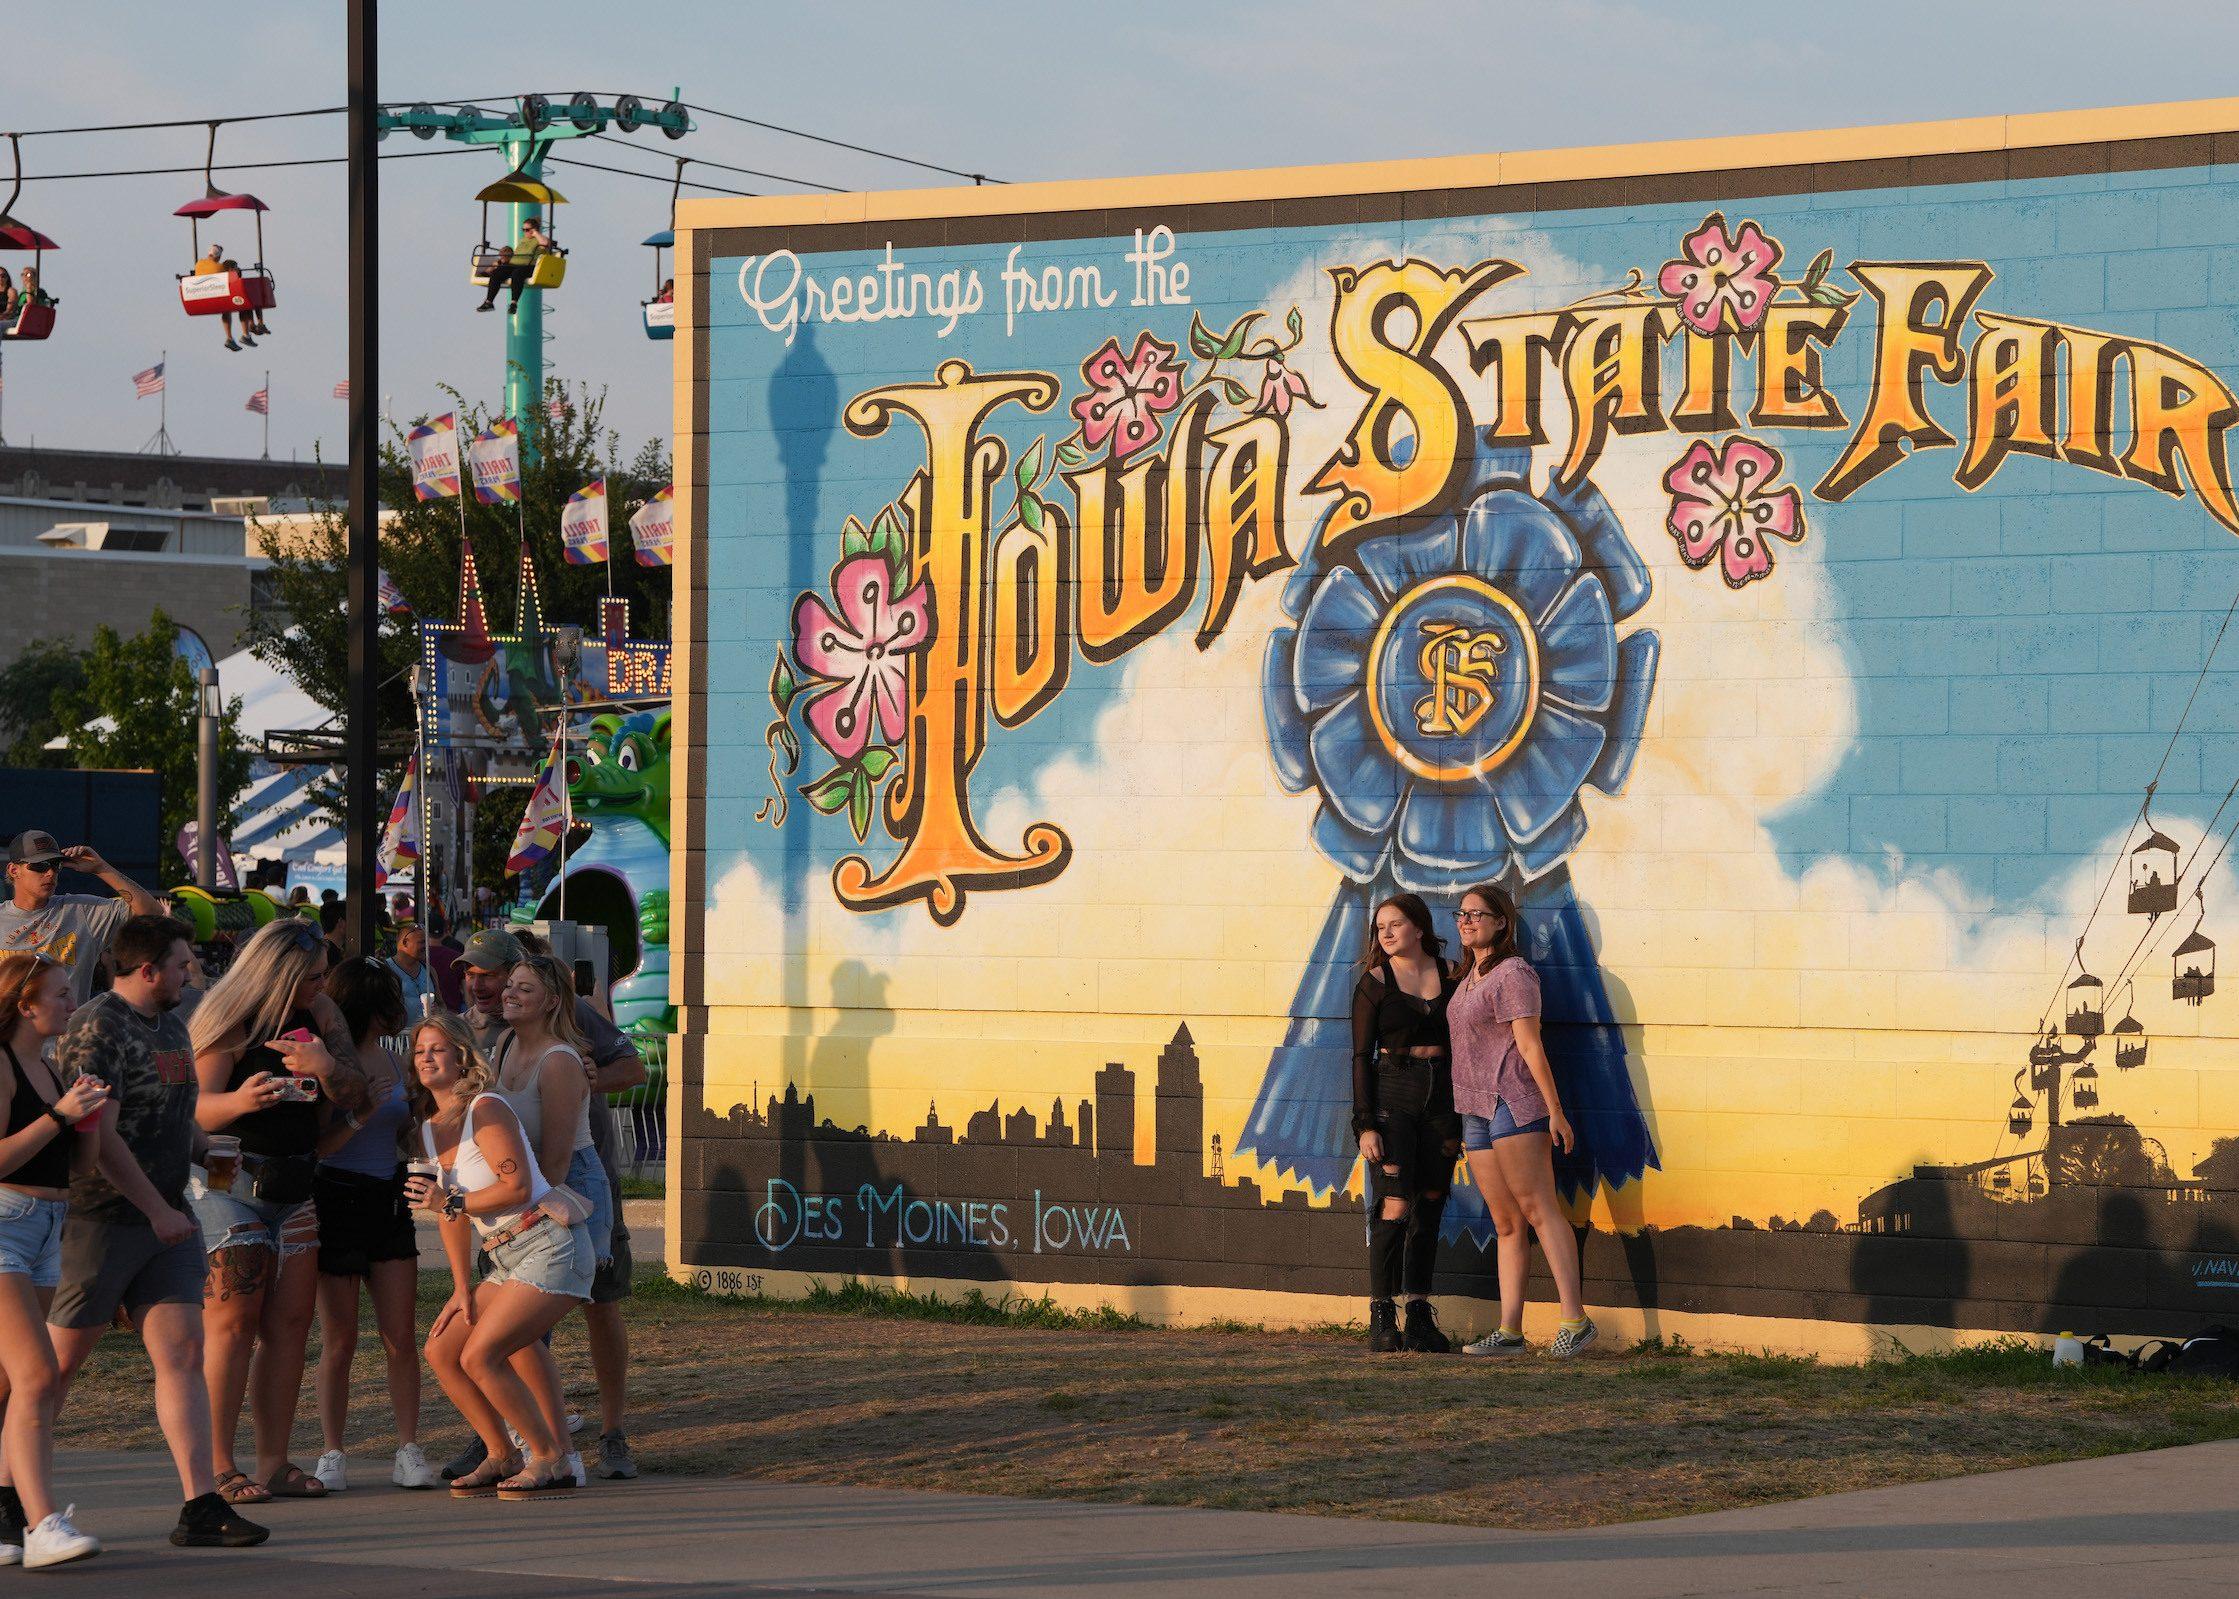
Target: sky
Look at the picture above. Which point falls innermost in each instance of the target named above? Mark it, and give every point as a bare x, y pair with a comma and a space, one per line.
1018, 91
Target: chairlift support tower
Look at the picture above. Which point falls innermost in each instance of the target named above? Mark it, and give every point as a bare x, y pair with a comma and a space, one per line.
526, 135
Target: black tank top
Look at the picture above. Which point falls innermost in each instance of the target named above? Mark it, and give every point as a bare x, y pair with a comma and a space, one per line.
288, 1128
49, 1166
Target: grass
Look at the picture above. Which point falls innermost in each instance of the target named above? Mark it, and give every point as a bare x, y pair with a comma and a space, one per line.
868, 1385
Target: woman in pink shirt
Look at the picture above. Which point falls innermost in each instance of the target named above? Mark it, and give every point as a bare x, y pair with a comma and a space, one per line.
1512, 1119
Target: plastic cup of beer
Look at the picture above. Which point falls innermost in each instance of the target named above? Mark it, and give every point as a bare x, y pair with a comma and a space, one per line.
423, 1167
222, 1162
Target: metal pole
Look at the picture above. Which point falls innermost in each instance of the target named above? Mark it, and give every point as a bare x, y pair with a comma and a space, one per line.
267, 414
524, 329
361, 770
206, 783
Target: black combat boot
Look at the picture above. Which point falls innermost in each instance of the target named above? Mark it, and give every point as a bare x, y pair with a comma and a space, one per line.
1383, 1327
1422, 1336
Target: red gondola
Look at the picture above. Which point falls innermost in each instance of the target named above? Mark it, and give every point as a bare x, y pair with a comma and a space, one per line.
229, 287
33, 318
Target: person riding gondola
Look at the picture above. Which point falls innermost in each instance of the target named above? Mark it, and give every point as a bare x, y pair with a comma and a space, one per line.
515, 265
213, 262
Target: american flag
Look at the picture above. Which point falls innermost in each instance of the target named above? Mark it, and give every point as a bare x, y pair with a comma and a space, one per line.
342, 389
261, 401
148, 382
557, 410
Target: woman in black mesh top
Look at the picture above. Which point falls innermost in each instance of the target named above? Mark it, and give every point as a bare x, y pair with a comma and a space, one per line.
1403, 1115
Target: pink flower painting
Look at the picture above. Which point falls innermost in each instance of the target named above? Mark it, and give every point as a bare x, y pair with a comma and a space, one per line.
1278, 388
862, 653
1723, 281
1724, 503
1127, 395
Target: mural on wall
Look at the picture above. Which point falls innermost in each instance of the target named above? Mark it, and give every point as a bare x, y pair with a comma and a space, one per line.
1476, 557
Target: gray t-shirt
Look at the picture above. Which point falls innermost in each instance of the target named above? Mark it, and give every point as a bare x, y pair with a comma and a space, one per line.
71, 928
149, 1066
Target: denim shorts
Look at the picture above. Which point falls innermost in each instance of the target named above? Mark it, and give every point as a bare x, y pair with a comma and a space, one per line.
546, 1257
31, 1236
240, 1219
587, 1176
1478, 1132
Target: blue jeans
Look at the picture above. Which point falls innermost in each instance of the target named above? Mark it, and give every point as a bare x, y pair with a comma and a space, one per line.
31, 1236
587, 1176
1479, 1132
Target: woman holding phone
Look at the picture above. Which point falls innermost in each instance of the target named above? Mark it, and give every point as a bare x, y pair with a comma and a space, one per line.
1512, 1120
35, 1006
474, 1169
276, 1063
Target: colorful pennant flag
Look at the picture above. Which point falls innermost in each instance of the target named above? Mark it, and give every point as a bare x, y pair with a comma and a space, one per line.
583, 524
434, 448
545, 820
148, 382
400, 839
495, 459
653, 529
261, 401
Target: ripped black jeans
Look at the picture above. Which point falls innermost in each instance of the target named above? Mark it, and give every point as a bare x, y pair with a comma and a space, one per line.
1422, 1139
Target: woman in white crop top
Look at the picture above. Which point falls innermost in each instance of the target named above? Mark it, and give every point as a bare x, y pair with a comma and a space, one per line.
485, 1344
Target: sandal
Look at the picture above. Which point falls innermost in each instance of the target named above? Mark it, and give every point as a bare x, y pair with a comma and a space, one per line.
524, 1486
482, 1481
291, 1481
239, 1488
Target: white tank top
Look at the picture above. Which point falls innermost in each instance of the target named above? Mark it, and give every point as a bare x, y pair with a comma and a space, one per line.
528, 1100
470, 1168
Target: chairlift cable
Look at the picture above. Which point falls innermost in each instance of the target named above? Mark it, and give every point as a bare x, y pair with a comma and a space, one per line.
185, 122
751, 172
842, 144
237, 166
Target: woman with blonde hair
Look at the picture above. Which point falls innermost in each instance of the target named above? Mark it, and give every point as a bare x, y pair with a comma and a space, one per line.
276, 1064
486, 1344
35, 1006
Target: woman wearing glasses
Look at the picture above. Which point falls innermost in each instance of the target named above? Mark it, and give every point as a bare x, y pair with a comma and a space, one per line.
1403, 1116
275, 1062
1512, 1119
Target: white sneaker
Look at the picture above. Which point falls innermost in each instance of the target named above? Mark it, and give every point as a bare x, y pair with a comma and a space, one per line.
412, 1469
575, 1469
11, 1554
575, 1422
55, 1541
330, 1470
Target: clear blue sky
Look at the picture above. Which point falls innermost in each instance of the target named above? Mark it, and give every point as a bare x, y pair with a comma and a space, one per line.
1049, 90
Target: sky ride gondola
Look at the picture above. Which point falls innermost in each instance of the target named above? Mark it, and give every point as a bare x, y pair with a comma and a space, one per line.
550, 268
34, 319
2130, 1044
229, 287
2192, 966
2086, 1084
2020, 1116
660, 311
2087, 1017
2153, 874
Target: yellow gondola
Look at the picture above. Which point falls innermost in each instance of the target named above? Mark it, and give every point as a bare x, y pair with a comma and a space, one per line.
516, 188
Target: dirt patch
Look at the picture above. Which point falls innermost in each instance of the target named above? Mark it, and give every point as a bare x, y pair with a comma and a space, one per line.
1252, 1420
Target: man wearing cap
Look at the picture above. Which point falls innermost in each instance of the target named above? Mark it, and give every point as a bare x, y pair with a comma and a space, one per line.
615, 1066
72, 929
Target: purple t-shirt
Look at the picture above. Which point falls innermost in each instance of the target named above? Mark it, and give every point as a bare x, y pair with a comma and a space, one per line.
1488, 1068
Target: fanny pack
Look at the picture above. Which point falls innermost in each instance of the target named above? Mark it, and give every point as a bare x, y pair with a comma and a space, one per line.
280, 1179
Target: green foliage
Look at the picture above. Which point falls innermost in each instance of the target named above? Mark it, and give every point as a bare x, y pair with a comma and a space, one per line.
136, 709
31, 690
305, 634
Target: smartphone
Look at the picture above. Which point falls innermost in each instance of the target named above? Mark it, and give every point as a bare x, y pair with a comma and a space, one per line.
586, 979
301, 1035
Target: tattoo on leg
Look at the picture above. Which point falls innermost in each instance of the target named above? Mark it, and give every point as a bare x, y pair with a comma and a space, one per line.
236, 1273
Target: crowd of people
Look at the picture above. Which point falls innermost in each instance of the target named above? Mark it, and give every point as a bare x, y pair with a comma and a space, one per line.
218, 1158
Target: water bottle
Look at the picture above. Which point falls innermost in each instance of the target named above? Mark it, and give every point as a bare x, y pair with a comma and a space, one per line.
2067, 1350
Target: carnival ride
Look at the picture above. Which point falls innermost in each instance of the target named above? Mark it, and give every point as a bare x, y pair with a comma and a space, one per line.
233, 287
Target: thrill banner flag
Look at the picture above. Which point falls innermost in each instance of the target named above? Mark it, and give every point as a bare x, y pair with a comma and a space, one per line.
653, 529
583, 524
400, 838
495, 460
434, 448
545, 819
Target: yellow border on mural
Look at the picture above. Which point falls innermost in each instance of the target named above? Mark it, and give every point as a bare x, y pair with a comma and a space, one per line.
1884, 142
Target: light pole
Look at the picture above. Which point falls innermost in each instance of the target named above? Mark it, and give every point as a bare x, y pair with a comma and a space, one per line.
361, 712
209, 708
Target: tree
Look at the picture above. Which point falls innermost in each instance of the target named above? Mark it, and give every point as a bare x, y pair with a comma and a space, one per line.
31, 690
137, 709
305, 634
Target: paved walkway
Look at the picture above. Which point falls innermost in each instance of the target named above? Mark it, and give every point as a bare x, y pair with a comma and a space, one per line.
2165, 1524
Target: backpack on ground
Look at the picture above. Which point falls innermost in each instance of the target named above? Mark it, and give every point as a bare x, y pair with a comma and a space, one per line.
2211, 1352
